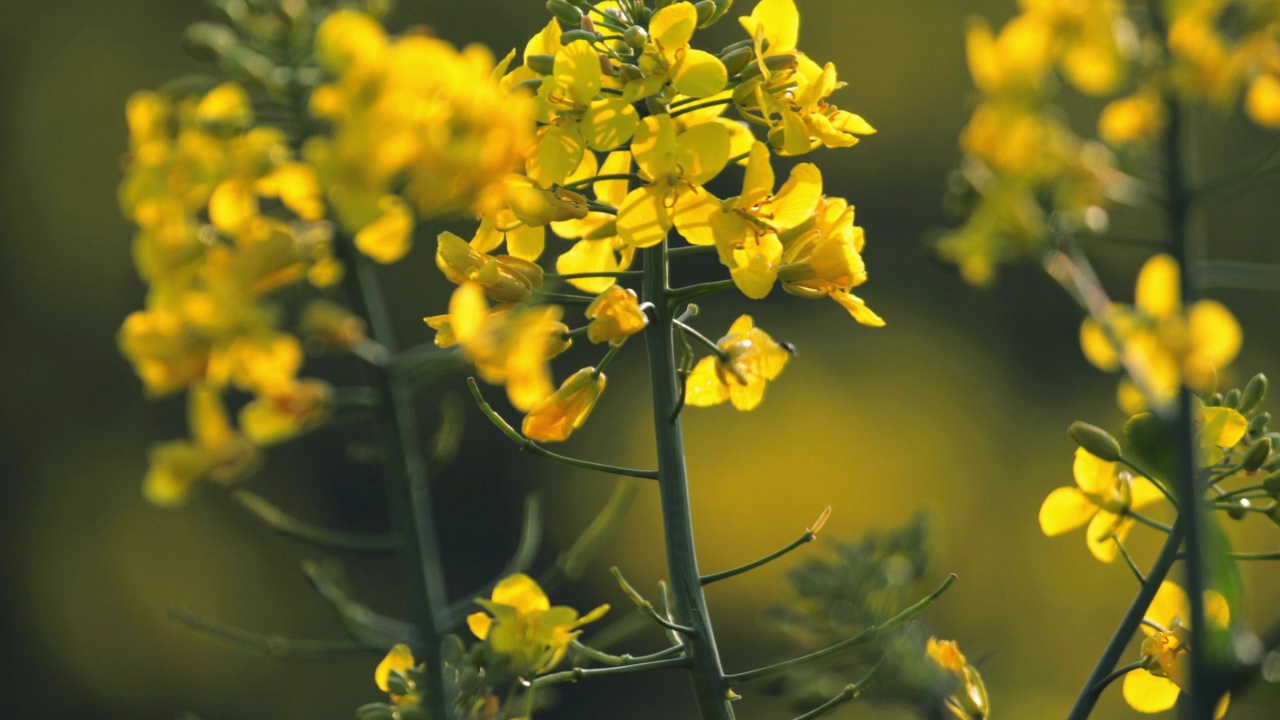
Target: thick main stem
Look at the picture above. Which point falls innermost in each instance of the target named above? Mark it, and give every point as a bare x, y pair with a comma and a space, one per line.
689, 603
408, 493
1128, 625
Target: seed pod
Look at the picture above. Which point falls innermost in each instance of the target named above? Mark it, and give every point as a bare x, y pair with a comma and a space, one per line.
737, 60
574, 35
1271, 484
1231, 399
1254, 393
1257, 454
541, 64
635, 36
1258, 423
1095, 440
564, 12
706, 10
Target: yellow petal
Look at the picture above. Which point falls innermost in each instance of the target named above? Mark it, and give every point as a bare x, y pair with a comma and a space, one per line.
778, 21
1216, 336
479, 623
755, 268
1216, 609
577, 72
388, 238
643, 218
608, 123
703, 388
589, 256
796, 199
1144, 492
560, 151
522, 593
698, 74
526, 243
349, 40
1169, 604
1262, 103
1097, 347
1221, 427
468, 309
694, 216
1158, 293
654, 147
757, 183
858, 309
232, 205
1148, 693
1098, 535
1064, 510
702, 152
400, 659
1093, 474
672, 26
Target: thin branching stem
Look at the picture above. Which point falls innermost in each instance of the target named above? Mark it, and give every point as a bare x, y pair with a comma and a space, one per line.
284, 524
1149, 522
577, 674
871, 634
805, 538
849, 692
1116, 675
276, 646
1128, 559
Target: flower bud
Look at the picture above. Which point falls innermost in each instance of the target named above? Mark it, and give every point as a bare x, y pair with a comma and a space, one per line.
1095, 440
706, 10
1274, 513
375, 711
541, 64
1214, 400
630, 73
737, 60
635, 36
1257, 454
1231, 399
1258, 423
1254, 393
564, 12
565, 410
1236, 510
615, 315
1271, 484
574, 35
772, 63
535, 206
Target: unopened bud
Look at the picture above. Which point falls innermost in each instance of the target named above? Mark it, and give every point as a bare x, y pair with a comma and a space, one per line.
411, 712
706, 10
587, 23
1214, 400
375, 711
1236, 510
1095, 440
1255, 392
630, 73
1258, 423
209, 41
1257, 454
564, 12
737, 60
734, 46
773, 63
635, 36
575, 35
1231, 399
397, 684
541, 64
1271, 484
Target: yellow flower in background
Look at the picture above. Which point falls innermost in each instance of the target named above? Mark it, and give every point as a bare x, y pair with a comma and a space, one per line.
1135, 119
282, 414
1159, 339
1262, 102
397, 663
522, 625
969, 699
504, 278
1102, 498
1155, 687
615, 315
751, 360
510, 347
216, 451
565, 410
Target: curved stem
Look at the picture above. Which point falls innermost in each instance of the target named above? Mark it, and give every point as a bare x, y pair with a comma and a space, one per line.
688, 601
850, 692
1119, 673
276, 646
804, 539
276, 519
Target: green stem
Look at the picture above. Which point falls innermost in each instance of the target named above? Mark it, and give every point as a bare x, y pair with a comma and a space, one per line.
689, 603
871, 634
534, 448
608, 358
850, 692
690, 250
408, 493
706, 341
274, 518
583, 275
276, 646
577, 674
598, 178
1149, 522
804, 539
1117, 674
1088, 697
701, 106
693, 292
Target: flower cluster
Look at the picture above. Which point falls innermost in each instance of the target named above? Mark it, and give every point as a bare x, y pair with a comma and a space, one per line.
631, 127
1155, 686
1027, 173
521, 625
226, 217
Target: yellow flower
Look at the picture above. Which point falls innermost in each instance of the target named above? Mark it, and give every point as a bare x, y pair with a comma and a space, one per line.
331, 325
522, 625
566, 409
504, 278
510, 346
615, 316
1137, 118
1164, 343
1262, 103
1102, 497
1155, 687
667, 57
969, 699
750, 360
398, 662
674, 166
745, 229
826, 260
279, 415
216, 451
599, 249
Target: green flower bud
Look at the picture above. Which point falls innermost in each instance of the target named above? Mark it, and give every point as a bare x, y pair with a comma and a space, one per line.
1271, 484
1258, 423
748, 43
209, 41
1231, 399
397, 684
412, 713
775, 63
1273, 463
635, 36
706, 10
1236, 510
630, 73
1257, 454
564, 12
1274, 513
655, 105
737, 60
1255, 392
375, 711
1095, 440
541, 64
573, 35
1214, 400
532, 85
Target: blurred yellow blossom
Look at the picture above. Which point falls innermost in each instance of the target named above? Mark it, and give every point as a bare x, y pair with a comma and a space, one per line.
749, 360
969, 699
522, 625
216, 451
504, 278
566, 409
398, 661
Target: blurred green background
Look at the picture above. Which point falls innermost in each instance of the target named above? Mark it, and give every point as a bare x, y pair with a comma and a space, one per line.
959, 406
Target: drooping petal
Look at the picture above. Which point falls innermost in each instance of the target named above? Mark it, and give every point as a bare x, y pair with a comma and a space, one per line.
757, 183
857, 307
704, 388
1065, 509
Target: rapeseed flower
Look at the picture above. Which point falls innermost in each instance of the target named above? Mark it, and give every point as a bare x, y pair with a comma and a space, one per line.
969, 699
216, 451
749, 359
1156, 685
615, 315
521, 624
566, 409
1102, 497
